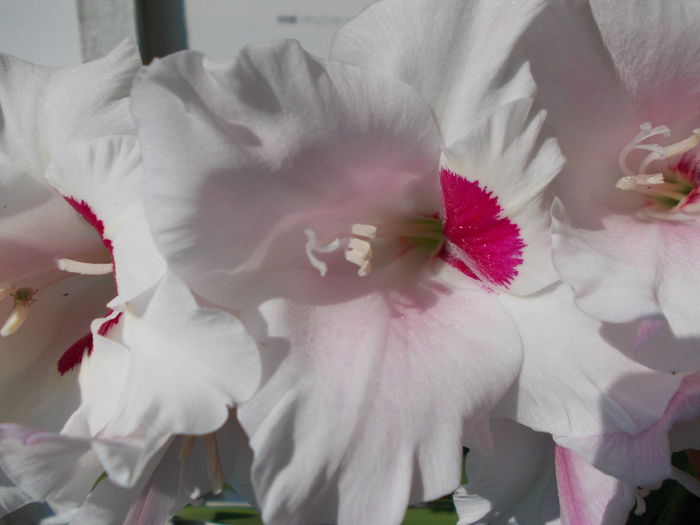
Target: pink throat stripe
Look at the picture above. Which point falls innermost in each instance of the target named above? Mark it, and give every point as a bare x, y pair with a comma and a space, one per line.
481, 240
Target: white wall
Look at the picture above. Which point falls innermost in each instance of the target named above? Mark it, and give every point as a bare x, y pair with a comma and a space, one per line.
47, 31
42, 31
221, 27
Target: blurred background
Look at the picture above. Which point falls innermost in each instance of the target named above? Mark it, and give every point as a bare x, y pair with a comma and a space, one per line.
67, 32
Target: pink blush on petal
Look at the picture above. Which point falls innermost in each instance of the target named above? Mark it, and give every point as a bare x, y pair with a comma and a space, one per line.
481, 240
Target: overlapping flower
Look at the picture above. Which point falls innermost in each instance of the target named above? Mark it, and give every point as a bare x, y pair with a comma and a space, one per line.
319, 279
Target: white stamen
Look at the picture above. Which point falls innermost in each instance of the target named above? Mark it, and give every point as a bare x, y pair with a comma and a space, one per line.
684, 145
645, 133
640, 494
654, 184
641, 506
17, 316
186, 449
358, 248
652, 178
84, 268
364, 230
657, 153
214, 468
363, 248
628, 182
312, 246
631, 183
359, 252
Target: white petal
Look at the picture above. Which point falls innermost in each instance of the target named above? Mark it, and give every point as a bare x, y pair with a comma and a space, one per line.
575, 383
652, 343
630, 268
679, 282
512, 484
47, 109
181, 367
11, 498
48, 466
106, 175
642, 458
657, 63
241, 158
353, 424
510, 158
32, 388
588, 495
44, 111
611, 269
110, 504
459, 56
586, 107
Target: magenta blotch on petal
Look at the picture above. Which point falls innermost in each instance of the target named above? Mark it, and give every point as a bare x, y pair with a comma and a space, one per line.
74, 355
481, 241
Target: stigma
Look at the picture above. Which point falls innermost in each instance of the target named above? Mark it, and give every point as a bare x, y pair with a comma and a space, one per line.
669, 188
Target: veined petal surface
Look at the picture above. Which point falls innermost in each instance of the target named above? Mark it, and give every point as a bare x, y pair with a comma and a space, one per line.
460, 57
267, 149
356, 407
242, 158
575, 383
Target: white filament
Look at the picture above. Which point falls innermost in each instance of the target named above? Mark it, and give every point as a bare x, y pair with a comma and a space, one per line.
632, 180
213, 461
312, 246
646, 132
640, 494
84, 268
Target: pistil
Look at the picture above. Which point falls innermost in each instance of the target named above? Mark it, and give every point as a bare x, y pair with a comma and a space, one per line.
423, 232
668, 190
